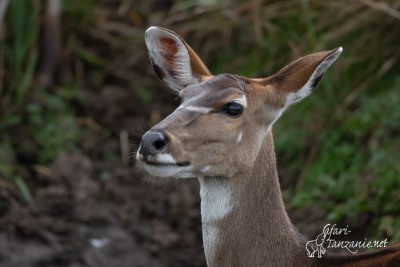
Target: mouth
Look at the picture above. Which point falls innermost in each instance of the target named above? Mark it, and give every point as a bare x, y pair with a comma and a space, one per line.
161, 164
181, 170
166, 166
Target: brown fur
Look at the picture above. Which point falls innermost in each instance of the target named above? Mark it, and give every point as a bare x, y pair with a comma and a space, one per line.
199, 69
296, 74
259, 233
257, 230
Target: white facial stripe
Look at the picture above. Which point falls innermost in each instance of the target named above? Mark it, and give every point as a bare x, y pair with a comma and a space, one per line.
215, 199
239, 137
197, 109
242, 101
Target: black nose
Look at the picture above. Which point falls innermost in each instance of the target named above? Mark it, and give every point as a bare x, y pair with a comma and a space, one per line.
153, 143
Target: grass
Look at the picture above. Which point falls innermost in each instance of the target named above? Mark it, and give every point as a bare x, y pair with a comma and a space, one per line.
18, 54
33, 119
18, 59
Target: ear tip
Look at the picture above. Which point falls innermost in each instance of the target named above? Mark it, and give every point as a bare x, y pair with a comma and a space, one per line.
151, 30
155, 32
337, 51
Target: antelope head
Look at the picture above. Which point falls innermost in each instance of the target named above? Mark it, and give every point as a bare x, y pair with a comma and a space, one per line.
219, 128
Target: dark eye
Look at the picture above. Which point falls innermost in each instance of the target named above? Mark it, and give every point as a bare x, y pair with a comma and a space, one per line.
233, 109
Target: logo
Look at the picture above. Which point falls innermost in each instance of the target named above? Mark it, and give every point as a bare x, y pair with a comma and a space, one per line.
329, 239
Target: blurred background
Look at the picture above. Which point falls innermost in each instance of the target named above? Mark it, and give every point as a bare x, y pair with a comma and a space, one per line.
77, 91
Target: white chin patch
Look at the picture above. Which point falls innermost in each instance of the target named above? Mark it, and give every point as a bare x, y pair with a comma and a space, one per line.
169, 170
165, 159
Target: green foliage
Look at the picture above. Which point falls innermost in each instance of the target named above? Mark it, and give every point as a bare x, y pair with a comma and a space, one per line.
35, 122
24, 190
19, 54
355, 169
79, 15
7, 158
53, 128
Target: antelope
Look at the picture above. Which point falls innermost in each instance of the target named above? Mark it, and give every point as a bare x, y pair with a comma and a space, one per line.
222, 134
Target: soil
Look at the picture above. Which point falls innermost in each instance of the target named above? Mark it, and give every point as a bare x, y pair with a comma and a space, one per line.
78, 221
93, 210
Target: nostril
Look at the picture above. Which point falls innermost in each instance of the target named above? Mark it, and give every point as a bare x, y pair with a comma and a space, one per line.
160, 144
153, 143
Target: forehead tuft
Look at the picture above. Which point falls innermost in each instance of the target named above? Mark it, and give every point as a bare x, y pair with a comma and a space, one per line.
214, 92
221, 82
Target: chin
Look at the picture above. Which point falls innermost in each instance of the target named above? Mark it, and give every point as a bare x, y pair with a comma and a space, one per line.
169, 170
164, 165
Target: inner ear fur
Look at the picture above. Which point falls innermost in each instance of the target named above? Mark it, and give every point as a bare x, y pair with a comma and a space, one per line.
173, 60
306, 70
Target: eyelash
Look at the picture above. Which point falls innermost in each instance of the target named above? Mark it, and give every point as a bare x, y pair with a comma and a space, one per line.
177, 99
232, 109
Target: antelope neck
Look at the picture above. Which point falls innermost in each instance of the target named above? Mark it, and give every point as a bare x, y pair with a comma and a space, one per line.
244, 217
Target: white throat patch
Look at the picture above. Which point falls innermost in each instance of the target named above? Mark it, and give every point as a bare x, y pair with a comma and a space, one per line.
215, 199
216, 203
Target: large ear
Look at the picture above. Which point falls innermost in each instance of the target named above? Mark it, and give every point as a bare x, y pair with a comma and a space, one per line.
301, 77
174, 62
